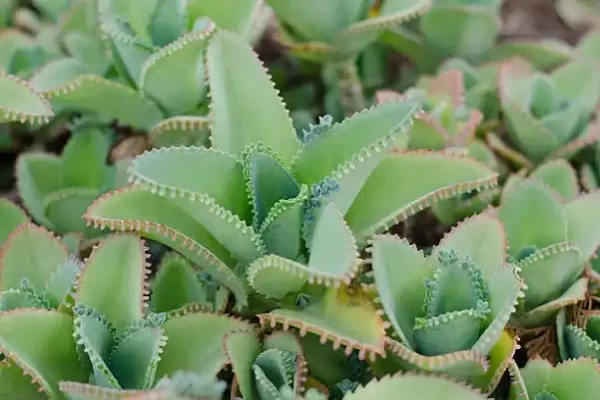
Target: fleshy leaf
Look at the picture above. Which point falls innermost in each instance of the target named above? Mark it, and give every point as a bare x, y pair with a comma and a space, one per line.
106, 98
540, 210
134, 359
38, 174
58, 73
231, 15
172, 172
442, 176
60, 283
175, 284
174, 76
414, 386
242, 349
25, 336
400, 270
94, 337
117, 266
330, 314
245, 106
84, 158
204, 356
157, 218
65, 207
11, 216
14, 384
371, 130
559, 175
548, 272
20, 102
180, 131
30, 252
582, 217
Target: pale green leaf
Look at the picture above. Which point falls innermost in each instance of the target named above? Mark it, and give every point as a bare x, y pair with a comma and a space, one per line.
117, 266
246, 108
242, 349
20, 102
58, 73
11, 216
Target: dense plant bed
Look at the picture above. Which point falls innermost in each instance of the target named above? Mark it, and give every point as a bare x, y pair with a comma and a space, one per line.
298, 199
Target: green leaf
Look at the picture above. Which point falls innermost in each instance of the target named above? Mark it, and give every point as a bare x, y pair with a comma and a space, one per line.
400, 271
173, 171
372, 130
14, 384
559, 175
204, 356
159, 219
475, 29
542, 314
481, 237
20, 102
31, 252
106, 98
168, 22
117, 266
582, 216
443, 175
94, 337
245, 106
281, 230
134, 359
316, 20
60, 283
414, 386
84, 158
541, 53
548, 272
575, 379
38, 174
231, 15
333, 260
129, 52
11, 216
242, 349
87, 49
64, 208
533, 215
180, 131
267, 180
58, 73
345, 317
41, 343
174, 75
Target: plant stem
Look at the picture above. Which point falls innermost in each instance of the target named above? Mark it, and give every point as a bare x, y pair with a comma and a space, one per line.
350, 86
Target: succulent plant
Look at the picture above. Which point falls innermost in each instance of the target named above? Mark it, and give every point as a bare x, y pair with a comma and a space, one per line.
273, 369
448, 311
548, 115
103, 343
551, 239
571, 380
447, 122
57, 190
334, 33
579, 13
578, 330
231, 219
451, 28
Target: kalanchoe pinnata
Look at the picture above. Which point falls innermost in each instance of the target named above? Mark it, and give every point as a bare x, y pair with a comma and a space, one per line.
21, 102
335, 32
272, 369
447, 312
266, 188
411, 386
35, 269
57, 190
578, 330
548, 115
551, 240
11, 216
571, 380
447, 122
111, 342
461, 28
579, 13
